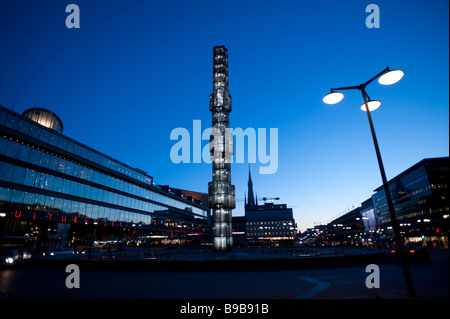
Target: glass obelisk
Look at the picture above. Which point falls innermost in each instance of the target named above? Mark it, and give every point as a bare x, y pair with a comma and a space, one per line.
221, 192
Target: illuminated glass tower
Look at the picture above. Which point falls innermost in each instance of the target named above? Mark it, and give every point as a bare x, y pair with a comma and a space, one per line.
221, 192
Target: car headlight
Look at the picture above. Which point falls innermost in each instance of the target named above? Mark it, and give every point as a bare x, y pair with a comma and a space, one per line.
9, 260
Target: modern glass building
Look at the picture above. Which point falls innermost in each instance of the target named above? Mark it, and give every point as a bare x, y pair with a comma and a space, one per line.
421, 201
58, 190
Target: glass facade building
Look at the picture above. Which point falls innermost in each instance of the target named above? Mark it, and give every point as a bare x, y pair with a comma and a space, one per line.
48, 179
421, 202
420, 198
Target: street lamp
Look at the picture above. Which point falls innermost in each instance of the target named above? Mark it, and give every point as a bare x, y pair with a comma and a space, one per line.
385, 77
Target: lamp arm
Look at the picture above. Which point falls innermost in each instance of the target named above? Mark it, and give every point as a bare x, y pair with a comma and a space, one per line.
347, 88
362, 86
376, 76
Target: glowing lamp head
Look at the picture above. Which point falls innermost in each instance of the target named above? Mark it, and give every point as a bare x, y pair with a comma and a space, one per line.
333, 97
391, 77
373, 105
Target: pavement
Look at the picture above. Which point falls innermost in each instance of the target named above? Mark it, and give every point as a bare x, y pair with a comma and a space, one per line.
236, 258
338, 274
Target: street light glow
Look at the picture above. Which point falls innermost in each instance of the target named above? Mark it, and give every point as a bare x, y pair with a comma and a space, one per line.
333, 97
391, 77
373, 105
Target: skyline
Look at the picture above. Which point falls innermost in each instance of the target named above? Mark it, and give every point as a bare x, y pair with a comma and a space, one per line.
131, 74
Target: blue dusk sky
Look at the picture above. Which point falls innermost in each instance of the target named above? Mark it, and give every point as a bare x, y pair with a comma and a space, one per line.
136, 70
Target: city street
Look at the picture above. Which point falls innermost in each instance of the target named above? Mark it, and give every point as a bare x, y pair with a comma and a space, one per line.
431, 281
221, 159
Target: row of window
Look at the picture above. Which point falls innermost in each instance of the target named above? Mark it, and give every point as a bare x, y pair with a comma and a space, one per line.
401, 208
262, 228
275, 215
47, 136
440, 168
37, 202
39, 157
273, 233
413, 193
35, 156
417, 180
278, 223
270, 228
29, 177
438, 186
414, 214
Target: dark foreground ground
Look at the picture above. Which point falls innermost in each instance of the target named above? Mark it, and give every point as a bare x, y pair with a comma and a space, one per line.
324, 280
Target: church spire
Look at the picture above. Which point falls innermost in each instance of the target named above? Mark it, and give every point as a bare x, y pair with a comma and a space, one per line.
251, 197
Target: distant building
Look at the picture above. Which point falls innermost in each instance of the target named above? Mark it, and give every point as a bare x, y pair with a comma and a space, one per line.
368, 216
270, 223
239, 226
197, 197
347, 229
313, 236
266, 224
421, 202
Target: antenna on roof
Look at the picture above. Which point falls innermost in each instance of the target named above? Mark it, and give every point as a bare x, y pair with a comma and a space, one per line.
14, 103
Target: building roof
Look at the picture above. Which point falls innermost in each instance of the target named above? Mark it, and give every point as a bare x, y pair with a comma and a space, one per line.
423, 162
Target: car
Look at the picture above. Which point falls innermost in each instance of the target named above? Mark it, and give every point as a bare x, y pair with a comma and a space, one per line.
414, 252
9, 257
62, 253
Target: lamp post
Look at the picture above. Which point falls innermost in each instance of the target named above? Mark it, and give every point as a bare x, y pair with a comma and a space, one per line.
385, 77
